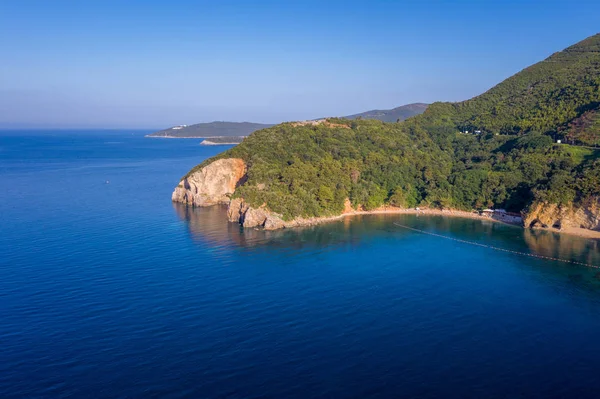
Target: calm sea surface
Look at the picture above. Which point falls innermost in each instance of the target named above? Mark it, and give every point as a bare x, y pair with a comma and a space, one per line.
111, 291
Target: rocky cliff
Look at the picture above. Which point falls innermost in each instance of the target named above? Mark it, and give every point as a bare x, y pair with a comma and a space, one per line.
216, 182
565, 217
238, 211
212, 184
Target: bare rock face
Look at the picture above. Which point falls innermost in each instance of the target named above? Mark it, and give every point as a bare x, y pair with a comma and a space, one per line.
274, 222
348, 206
212, 184
236, 209
544, 215
255, 217
240, 212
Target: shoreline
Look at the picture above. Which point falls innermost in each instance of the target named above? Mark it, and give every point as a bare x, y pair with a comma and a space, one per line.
398, 211
301, 222
208, 142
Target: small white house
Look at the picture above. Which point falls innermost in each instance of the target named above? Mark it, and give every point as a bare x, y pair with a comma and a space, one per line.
558, 141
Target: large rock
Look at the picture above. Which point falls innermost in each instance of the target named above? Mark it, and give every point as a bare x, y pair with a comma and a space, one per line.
236, 210
255, 217
212, 184
274, 222
544, 215
239, 212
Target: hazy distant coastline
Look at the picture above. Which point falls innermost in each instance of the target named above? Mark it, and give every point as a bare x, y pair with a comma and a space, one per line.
222, 129
210, 130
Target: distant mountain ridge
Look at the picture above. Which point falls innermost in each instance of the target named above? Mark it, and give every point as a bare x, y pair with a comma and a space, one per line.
211, 129
392, 115
239, 129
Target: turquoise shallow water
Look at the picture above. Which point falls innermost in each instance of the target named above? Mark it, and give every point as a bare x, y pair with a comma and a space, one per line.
110, 290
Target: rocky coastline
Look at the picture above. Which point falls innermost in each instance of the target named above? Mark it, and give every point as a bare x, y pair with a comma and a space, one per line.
216, 183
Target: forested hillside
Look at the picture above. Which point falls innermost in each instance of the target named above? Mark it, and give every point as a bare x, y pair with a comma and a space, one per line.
543, 98
508, 159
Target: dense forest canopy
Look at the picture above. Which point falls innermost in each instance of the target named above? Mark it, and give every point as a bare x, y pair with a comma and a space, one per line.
508, 158
544, 97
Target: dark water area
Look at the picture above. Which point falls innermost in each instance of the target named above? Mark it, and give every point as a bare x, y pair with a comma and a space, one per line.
108, 290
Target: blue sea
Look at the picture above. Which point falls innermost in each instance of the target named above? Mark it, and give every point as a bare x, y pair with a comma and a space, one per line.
109, 290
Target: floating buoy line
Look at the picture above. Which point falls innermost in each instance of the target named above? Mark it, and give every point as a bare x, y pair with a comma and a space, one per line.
496, 248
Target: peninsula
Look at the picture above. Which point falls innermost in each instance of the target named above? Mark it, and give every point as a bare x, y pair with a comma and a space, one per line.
526, 147
210, 130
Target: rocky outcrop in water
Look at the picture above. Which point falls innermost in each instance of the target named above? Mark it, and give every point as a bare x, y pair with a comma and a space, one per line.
564, 217
215, 183
212, 184
238, 211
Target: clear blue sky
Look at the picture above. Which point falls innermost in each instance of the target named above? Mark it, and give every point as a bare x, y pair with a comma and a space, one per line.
157, 63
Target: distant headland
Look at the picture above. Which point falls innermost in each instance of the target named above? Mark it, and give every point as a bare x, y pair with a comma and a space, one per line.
220, 133
210, 130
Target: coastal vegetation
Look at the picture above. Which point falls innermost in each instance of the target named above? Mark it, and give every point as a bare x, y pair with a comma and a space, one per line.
499, 149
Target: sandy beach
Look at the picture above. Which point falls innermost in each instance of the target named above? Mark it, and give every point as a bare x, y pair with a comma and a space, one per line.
495, 217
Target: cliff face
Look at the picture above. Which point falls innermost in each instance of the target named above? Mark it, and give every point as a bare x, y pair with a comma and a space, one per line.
212, 184
239, 212
215, 183
584, 216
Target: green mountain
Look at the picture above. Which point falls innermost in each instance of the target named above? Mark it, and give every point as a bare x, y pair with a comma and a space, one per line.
392, 115
508, 159
212, 129
546, 97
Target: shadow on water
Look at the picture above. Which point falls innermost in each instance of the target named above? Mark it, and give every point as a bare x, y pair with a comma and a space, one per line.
209, 226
